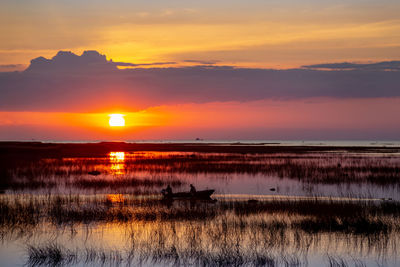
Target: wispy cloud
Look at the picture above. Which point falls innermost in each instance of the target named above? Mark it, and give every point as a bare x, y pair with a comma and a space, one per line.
379, 66
11, 67
202, 62
126, 64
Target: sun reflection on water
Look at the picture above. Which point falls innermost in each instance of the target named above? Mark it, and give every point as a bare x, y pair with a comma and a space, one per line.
115, 198
117, 160
117, 156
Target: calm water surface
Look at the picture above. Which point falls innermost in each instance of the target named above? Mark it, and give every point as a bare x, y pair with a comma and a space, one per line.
250, 239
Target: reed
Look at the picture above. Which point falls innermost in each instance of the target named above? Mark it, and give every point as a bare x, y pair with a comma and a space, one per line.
316, 215
225, 233
52, 254
322, 168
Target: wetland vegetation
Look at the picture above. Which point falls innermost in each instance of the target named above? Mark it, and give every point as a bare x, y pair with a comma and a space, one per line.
95, 207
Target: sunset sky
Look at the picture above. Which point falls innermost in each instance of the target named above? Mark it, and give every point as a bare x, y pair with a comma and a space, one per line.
208, 69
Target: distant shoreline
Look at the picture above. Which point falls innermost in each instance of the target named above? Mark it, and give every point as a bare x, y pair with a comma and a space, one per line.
47, 149
222, 141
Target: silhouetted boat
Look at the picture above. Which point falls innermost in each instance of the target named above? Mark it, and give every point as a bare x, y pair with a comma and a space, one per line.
205, 194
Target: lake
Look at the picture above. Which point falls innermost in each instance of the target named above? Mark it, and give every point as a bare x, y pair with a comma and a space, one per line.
274, 205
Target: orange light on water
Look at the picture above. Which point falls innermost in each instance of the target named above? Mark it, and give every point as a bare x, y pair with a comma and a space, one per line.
115, 198
116, 120
117, 156
118, 163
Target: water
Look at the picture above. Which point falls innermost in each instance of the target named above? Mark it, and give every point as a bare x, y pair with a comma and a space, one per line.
90, 214
278, 237
330, 174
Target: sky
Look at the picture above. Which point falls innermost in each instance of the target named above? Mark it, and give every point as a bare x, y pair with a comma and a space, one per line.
209, 69
254, 33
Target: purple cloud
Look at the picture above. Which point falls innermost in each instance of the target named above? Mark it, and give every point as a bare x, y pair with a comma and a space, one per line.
72, 82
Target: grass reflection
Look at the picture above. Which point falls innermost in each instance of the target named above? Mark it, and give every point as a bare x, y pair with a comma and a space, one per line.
238, 233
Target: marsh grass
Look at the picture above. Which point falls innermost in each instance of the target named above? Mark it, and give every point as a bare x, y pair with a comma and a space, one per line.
162, 168
50, 255
317, 215
226, 233
223, 233
121, 182
53, 254
150, 185
337, 261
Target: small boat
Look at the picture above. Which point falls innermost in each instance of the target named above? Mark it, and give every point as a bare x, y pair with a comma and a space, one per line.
94, 173
205, 194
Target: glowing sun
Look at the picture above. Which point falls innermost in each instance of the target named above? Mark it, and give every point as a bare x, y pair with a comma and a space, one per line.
116, 120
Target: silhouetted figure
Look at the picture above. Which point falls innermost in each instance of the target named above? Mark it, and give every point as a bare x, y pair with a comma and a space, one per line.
168, 190
192, 189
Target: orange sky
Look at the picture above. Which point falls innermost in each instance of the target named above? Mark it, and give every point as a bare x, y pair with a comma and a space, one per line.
266, 119
183, 104
278, 34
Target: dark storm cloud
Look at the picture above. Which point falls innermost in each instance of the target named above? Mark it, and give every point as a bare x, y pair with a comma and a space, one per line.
70, 82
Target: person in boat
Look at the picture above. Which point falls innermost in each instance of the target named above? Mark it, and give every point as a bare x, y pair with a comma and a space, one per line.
167, 192
192, 189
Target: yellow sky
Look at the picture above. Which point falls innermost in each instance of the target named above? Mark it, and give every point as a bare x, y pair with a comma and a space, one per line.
271, 34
